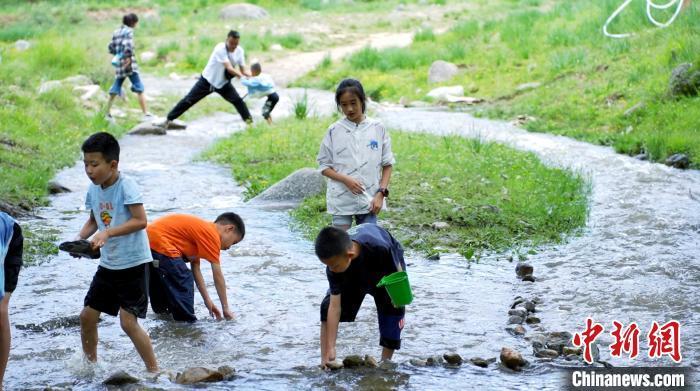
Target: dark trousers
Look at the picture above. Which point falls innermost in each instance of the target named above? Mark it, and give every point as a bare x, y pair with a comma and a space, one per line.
201, 89
270, 103
171, 288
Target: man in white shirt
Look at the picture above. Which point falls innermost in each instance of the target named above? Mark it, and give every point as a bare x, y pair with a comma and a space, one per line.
216, 78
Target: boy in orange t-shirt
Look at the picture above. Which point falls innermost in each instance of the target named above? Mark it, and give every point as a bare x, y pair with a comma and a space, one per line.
179, 238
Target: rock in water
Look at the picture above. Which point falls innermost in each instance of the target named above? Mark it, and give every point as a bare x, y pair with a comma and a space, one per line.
298, 185
371, 362
120, 378
453, 358
353, 361
226, 371
546, 353
567, 350
532, 320
479, 362
512, 359
678, 160
434, 361
417, 362
146, 128
441, 71
198, 375
524, 269
243, 11
57, 188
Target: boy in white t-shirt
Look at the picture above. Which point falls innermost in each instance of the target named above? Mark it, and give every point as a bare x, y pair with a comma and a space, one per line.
216, 77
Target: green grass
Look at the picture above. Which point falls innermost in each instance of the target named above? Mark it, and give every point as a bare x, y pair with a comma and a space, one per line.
492, 197
562, 47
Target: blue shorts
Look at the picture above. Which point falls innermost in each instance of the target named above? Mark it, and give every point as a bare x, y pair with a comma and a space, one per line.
390, 319
136, 85
367, 218
171, 287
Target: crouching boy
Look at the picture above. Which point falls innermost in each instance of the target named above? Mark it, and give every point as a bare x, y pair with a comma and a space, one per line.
355, 262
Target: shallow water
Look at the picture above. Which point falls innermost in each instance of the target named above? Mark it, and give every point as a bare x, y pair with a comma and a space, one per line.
637, 260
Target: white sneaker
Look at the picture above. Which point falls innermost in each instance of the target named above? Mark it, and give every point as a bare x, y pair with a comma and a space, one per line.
147, 117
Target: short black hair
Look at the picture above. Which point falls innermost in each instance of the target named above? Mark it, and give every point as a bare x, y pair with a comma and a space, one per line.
104, 143
233, 34
353, 86
130, 19
330, 242
256, 67
232, 218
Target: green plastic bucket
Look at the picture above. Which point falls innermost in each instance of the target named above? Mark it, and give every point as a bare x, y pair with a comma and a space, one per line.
398, 288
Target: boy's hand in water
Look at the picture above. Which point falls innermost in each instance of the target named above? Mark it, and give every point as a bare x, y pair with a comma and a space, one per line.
228, 314
214, 311
353, 185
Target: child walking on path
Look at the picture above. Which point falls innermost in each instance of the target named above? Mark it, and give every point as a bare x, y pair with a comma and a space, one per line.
11, 251
261, 84
179, 238
119, 286
122, 46
356, 156
355, 262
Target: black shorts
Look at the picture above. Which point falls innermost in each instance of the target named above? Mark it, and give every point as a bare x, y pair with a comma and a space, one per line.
390, 319
111, 290
13, 259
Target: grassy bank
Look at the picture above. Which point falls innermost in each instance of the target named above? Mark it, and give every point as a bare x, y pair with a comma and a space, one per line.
588, 81
491, 196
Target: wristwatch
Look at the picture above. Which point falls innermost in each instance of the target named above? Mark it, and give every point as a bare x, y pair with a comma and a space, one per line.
384, 191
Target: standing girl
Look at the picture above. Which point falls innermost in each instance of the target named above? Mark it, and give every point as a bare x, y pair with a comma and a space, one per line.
356, 156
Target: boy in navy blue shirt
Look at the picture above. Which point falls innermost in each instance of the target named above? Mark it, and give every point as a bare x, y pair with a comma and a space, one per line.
355, 262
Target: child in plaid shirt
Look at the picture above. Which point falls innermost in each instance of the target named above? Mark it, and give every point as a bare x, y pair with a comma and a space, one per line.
122, 46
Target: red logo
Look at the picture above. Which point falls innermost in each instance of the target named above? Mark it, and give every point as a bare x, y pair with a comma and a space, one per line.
661, 340
626, 340
585, 339
665, 340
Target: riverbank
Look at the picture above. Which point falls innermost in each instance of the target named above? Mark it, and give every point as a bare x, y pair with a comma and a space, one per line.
448, 193
555, 69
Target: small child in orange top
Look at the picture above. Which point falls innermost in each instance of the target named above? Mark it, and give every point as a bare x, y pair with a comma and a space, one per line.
179, 238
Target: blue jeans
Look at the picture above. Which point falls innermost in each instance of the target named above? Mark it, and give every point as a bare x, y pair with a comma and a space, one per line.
368, 218
136, 85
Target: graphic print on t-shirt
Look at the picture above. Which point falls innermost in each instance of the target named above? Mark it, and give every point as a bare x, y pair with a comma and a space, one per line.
105, 215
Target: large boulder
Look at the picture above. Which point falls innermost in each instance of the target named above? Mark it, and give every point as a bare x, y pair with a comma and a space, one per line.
243, 11
441, 71
300, 184
685, 80
198, 375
